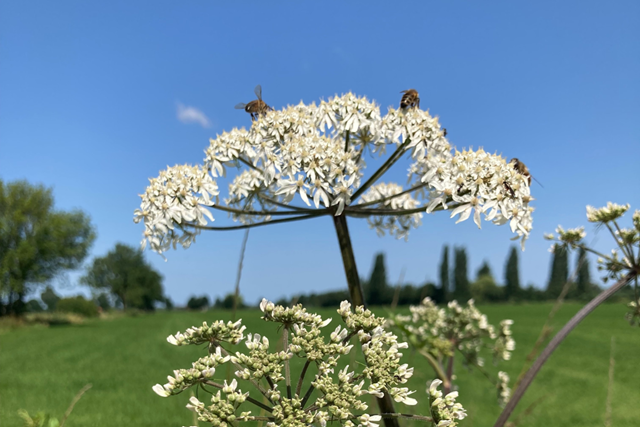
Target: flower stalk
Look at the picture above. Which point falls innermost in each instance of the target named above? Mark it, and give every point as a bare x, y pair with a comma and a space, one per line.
555, 343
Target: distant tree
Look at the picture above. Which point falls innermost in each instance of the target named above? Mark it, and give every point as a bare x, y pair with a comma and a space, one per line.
583, 282
532, 293
444, 292
168, 304
559, 272
103, 301
198, 303
377, 289
124, 273
461, 292
484, 270
512, 276
227, 302
49, 298
485, 289
34, 306
78, 305
37, 242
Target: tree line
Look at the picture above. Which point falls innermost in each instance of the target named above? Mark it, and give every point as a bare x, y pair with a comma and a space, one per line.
454, 283
39, 242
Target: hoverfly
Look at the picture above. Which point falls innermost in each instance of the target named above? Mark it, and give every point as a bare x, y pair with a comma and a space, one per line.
410, 99
255, 107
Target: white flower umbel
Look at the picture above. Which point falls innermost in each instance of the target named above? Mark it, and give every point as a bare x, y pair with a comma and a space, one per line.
439, 333
338, 395
309, 160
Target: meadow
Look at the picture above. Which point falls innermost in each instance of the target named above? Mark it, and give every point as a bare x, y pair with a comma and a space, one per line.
41, 369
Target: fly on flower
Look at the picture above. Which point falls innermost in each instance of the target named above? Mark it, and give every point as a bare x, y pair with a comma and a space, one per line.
256, 107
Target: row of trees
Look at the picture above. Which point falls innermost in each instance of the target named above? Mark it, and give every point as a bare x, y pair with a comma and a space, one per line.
38, 242
454, 283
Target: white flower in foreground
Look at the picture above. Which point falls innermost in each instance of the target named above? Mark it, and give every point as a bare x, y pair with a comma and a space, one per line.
316, 155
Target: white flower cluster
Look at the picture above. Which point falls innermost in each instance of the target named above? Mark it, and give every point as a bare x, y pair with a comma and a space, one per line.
390, 196
231, 332
441, 331
179, 194
381, 353
445, 411
504, 391
202, 370
339, 395
317, 153
505, 343
480, 183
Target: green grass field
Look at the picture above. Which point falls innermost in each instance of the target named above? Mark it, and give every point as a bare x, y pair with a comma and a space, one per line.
41, 369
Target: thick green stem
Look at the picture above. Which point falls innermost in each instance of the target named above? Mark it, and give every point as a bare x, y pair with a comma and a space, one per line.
349, 261
357, 296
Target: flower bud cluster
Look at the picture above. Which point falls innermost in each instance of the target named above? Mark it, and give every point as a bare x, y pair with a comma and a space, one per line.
505, 343
441, 331
606, 214
381, 353
260, 363
504, 391
339, 395
217, 332
633, 315
202, 370
445, 411
223, 409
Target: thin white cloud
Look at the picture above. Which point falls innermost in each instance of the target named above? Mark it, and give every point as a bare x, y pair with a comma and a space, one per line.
187, 114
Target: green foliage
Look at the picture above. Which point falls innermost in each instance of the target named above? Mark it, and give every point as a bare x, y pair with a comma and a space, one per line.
103, 301
460, 277
512, 289
484, 270
228, 302
377, 290
125, 274
37, 242
168, 304
485, 289
78, 305
34, 306
559, 272
38, 420
198, 303
444, 292
50, 298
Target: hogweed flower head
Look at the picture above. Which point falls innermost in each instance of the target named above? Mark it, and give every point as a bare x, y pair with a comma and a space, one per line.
438, 333
340, 394
444, 409
317, 155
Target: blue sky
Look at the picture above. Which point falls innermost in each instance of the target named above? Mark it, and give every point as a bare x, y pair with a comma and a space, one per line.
90, 94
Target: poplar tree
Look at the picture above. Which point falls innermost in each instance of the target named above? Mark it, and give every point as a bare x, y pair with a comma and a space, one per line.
377, 291
462, 293
512, 276
559, 272
444, 292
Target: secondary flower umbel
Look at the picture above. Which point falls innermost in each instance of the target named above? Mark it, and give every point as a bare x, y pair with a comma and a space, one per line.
339, 394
